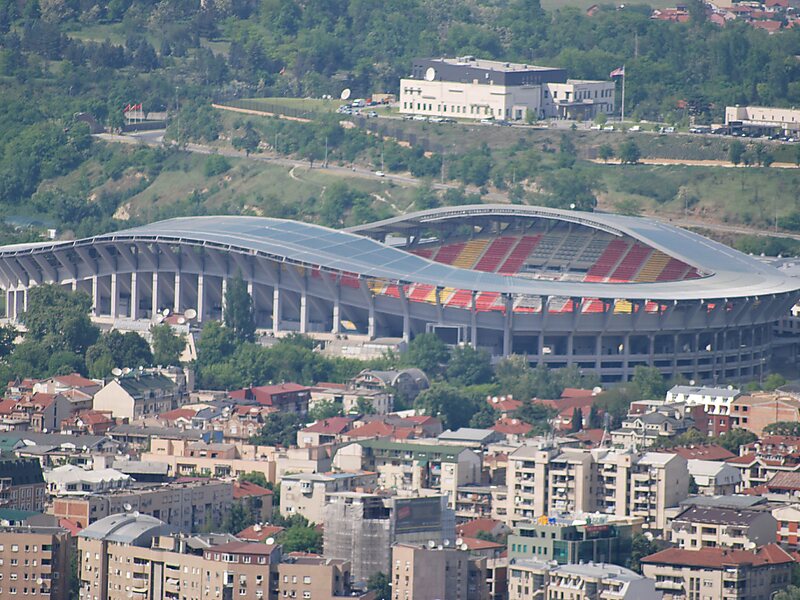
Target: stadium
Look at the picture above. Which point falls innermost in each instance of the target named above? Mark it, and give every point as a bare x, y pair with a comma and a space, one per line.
598, 291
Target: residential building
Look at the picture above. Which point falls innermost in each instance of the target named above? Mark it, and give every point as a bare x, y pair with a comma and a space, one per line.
362, 528
352, 398
715, 401
535, 578
471, 88
284, 397
314, 577
408, 466
184, 505
543, 480
481, 501
711, 527
421, 572
764, 459
35, 562
755, 411
139, 394
787, 517
406, 383
566, 540
470, 437
22, 485
324, 431
256, 500
719, 572
306, 494
69, 480
642, 431
714, 478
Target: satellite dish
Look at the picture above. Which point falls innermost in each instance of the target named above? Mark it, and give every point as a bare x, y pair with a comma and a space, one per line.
190, 313
270, 541
181, 320
127, 506
165, 312
430, 74
464, 547
446, 543
116, 371
40, 581
126, 370
345, 94
431, 544
459, 541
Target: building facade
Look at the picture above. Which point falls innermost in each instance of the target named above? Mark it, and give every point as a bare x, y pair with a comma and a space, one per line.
420, 572
35, 563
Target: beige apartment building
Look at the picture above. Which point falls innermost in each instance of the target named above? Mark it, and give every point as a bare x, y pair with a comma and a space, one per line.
713, 573
188, 458
712, 527
34, 563
411, 466
307, 494
137, 556
546, 480
471, 88
445, 573
186, 506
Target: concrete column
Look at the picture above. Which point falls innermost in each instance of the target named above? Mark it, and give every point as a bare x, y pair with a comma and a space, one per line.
24, 299
473, 320
134, 296
154, 306
224, 293
176, 305
406, 315
371, 318
250, 287
276, 310
9, 306
95, 297
201, 300
507, 336
114, 295
337, 314
570, 348
303, 311
74, 285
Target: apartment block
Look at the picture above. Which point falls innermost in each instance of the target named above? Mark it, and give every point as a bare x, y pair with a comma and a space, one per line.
22, 485
530, 578
544, 480
712, 527
34, 563
306, 494
409, 466
719, 572
186, 506
362, 528
421, 572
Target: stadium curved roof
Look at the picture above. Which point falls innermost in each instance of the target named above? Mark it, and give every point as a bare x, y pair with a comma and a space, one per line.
733, 274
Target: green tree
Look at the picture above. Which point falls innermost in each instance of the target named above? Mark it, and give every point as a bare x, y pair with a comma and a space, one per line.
301, 539
735, 439
595, 420
577, 420
59, 319
239, 316
167, 345
790, 593
426, 352
649, 382
236, 519
790, 428
364, 406
468, 366
605, 153
736, 152
453, 405
641, 546
484, 417
216, 344
325, 409
279, 430
216, 164
536, 414
248, 141
255, 477
8, 334
773, 381
629, 153
379, 583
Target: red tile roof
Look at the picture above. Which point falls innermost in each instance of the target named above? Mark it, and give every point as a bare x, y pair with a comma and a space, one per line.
591, 437
471, 528
703, 452
577, 393
263, 394
508, 426
94, 417
247, 489
769, 26
72, 526
7, 406
259, 533
784, 481
716, 558
178, 413
75, 380
745, 459
330, 426
479, 544
371, 429
505, 404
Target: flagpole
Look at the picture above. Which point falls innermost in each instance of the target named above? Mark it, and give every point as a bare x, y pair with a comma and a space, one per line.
622, 118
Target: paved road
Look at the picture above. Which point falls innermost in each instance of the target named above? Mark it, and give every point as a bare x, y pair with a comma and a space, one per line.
156, 138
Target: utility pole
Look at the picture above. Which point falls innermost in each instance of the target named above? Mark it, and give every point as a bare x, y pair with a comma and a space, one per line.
325, 164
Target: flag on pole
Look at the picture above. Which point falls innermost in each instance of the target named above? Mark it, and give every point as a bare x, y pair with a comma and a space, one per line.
617, 72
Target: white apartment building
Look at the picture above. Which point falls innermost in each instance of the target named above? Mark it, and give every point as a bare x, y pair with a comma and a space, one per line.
544, 481
715, 401
471, 88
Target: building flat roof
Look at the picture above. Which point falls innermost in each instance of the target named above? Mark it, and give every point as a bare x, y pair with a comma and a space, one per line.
491, 65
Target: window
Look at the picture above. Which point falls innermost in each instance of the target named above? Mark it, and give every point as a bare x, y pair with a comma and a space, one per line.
306, 579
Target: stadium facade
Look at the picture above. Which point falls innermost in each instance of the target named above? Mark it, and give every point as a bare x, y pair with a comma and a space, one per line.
601, 292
